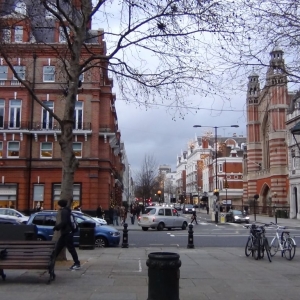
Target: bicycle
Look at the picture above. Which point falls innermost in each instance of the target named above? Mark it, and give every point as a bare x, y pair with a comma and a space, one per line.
257, 242
284, 242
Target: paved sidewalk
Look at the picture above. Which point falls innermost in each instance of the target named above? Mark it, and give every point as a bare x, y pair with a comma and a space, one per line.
121, 274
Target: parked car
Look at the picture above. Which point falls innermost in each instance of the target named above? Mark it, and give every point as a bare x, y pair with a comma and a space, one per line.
188, 209
14, 214
4, 220
98, 220
45, 221
177, 207
237, 216
160, 217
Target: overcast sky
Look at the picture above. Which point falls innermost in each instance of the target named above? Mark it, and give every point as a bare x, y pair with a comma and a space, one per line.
154, 132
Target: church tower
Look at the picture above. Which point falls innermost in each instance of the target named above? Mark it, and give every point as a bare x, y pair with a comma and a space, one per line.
265, 166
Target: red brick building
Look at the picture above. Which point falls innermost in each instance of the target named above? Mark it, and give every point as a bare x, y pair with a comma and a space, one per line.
30, 162
265, 164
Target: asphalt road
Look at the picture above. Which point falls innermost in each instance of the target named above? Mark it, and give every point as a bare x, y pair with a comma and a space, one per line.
205, 235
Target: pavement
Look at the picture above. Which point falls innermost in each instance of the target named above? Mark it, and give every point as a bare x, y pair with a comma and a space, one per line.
122, 274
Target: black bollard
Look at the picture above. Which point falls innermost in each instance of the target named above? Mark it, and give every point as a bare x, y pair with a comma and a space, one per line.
125, 236
163, 276
191, 237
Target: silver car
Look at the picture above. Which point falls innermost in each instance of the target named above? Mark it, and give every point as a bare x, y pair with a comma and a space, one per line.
160, 217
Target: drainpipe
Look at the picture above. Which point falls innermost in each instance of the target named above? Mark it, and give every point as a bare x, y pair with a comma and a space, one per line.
30, 135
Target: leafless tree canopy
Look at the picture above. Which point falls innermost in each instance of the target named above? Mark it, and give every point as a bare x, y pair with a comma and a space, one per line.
146, 179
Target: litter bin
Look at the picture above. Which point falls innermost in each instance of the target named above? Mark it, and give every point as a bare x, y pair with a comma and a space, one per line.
87, 235
223, 218
163, 276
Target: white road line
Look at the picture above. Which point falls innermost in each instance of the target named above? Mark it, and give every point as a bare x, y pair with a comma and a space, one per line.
140, 266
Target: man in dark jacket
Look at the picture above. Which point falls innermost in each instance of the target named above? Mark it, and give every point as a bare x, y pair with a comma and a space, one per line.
66, 234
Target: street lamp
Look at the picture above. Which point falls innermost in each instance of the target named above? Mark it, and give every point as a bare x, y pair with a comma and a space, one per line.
216, 151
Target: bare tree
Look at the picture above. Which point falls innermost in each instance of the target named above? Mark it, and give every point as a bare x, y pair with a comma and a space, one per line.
146, 178
173, 32
265, 24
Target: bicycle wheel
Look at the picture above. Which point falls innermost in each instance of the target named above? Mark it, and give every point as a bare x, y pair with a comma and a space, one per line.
274, 246
289, 247
248, 247
267, 248
256, 248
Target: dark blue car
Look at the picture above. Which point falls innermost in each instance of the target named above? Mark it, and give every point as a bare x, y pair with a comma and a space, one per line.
105, 236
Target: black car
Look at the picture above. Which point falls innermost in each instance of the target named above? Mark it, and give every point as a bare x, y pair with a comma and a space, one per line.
237, 216
188, 209
9, 221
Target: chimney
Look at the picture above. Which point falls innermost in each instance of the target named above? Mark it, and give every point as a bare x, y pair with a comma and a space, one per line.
204, 143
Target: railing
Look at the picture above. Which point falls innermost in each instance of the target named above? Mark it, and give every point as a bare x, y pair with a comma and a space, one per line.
105, 128
42, 126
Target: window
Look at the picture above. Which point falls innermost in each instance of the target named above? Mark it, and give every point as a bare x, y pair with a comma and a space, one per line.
6, 35
62, 36
220, 168
50, 220
38, 220
13, 149
76, 192
1, 149
15, 113
3, 72
46, 150
78, 115
47, 120
20, 70
168, 212
2, 105
49, 74
161, 212
77, 149
38, 192
81, 77
19, 34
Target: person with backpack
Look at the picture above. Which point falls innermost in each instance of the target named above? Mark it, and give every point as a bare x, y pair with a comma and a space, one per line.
67, 227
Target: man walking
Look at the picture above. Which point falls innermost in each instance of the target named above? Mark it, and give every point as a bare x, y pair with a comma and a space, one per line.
66, 234
194, 217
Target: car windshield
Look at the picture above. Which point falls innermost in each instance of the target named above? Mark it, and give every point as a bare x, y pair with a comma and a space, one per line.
150, 211
188, 206
237, 212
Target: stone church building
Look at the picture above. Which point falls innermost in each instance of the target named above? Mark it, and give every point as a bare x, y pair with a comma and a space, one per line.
266, 158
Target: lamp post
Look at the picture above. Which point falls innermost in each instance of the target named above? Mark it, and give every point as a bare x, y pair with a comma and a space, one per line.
216, 154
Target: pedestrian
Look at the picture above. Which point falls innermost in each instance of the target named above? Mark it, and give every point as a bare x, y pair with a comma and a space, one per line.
122, 212
115, 216
111, 215
132, 214
207, 208
194, 217
99, 212
66, 234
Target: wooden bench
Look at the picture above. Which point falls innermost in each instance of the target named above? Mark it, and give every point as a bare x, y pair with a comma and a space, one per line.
28, 255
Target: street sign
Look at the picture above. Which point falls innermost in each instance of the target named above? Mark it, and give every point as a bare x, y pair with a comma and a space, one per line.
228, 201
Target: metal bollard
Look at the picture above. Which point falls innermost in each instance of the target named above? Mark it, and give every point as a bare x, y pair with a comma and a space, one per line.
163, 276
125, 236
191, 237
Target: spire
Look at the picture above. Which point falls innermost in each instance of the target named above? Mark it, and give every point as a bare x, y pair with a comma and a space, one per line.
276, 71
253, 88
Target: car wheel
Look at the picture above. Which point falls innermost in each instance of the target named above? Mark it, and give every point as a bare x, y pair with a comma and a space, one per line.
247, 222
40, 238
160, 226
145, 228
184, 226
101, 242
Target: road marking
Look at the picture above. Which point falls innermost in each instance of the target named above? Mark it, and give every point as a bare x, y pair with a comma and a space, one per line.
156, 244
172, 235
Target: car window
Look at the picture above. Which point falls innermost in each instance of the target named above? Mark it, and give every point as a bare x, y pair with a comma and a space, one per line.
150, 211
38, 220
161, 212
168, 212
50, 221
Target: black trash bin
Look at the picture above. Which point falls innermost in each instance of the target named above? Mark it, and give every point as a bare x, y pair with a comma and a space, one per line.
163, 276
87, 235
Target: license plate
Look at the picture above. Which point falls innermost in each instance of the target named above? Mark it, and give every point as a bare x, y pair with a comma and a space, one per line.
145, 219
